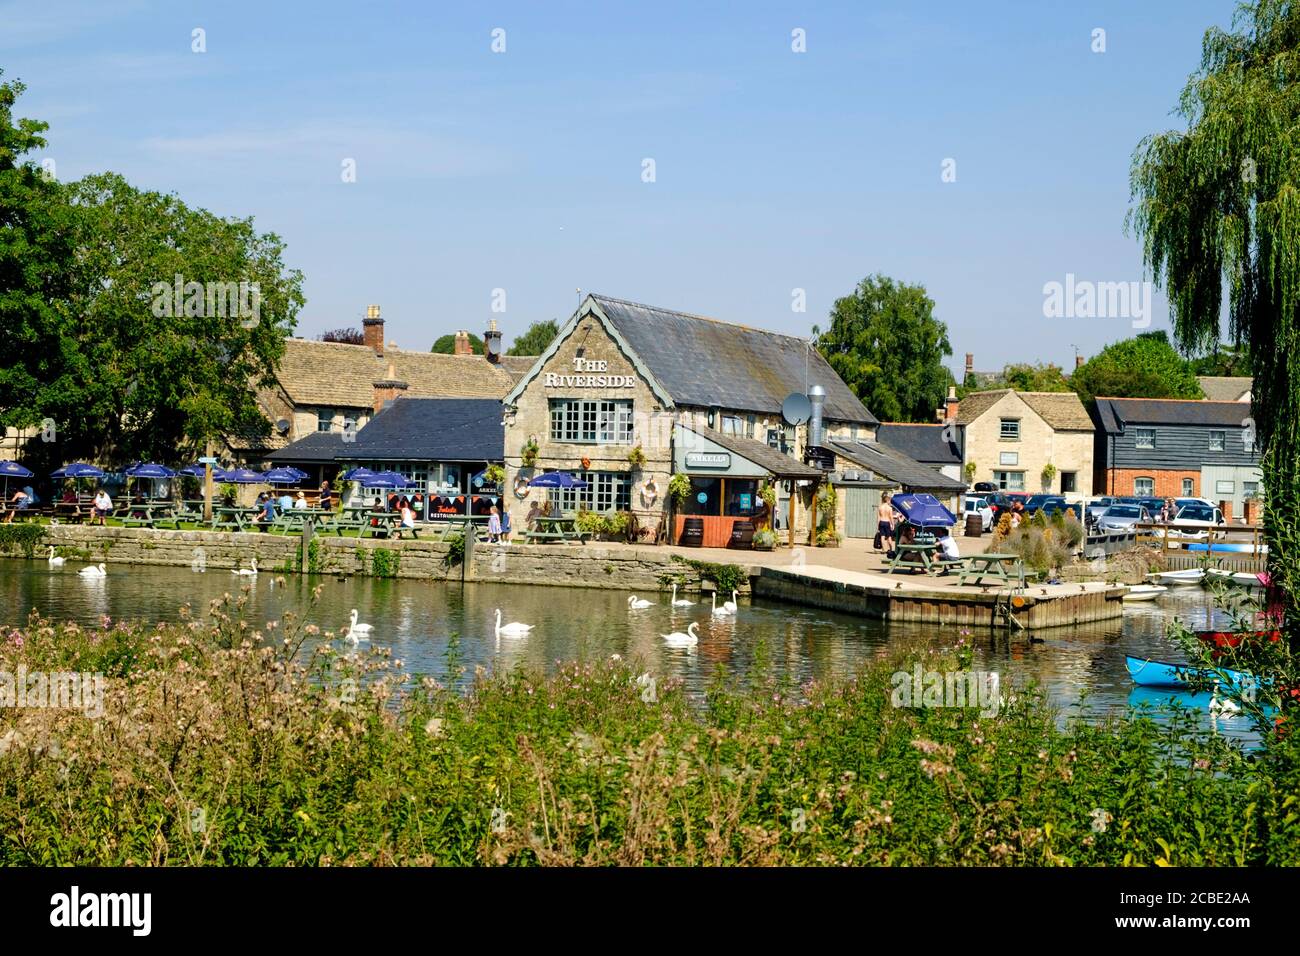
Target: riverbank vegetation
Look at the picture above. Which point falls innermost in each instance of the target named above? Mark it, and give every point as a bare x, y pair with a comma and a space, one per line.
223, 742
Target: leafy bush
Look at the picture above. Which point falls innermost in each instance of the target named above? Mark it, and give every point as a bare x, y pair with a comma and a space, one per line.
765, 538
679, 487
20, 537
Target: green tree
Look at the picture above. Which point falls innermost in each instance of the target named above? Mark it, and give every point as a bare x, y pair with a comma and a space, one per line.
447, 344
1229, 360
1145, 366
1217, 210
37, 257
535, 339
886, 344
1024, 377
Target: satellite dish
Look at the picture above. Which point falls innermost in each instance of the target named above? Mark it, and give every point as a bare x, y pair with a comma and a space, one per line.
491, 344
796, 409
282, 426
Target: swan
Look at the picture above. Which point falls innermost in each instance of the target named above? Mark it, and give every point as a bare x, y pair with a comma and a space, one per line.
245, 572
1221, 707
730, 606
54, 562
357, 631
635, 603
94, 572
514, 627
678, 639
683, 602
727, 608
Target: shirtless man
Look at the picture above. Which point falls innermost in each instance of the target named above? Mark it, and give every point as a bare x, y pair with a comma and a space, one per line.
884, 523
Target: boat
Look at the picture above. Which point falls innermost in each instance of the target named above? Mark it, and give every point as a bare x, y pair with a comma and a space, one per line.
1188, 578
1244, 578
1223, 548
1226, 639
1147, 673
1144, 592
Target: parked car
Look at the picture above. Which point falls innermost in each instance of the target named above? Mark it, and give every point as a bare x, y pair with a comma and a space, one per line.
1122, 518
1201, 515
985, 487
1003, 500
1051, 504
979, 506
1096, 507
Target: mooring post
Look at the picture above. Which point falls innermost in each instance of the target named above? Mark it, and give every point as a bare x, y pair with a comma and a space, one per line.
308, 527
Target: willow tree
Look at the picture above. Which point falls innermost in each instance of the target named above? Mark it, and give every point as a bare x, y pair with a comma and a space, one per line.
1217, 209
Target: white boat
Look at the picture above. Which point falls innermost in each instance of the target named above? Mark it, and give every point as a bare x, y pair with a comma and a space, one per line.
1144, 592
1244, 578
1190, 577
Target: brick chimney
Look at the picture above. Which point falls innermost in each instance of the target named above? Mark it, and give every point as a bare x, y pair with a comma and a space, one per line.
1078, 359
462, 344
492, 343
951, 403
389, 388
372, 328
970, 363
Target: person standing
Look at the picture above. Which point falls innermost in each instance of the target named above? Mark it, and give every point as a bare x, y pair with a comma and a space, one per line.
326, 497
505, 523
103, 506
884, 522
494, 525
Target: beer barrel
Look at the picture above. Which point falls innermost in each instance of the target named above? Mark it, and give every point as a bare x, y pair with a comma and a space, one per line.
692, 533
974, 526
742, 534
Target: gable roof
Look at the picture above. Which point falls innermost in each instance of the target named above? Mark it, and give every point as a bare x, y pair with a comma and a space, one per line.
703, 362
431, 429
765, 456
517, 366
894, 465
919, 442
339, 375
1062, 411
1115, 413
1225, 388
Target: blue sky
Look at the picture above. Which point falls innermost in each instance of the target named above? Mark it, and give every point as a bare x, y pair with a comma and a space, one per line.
522, 170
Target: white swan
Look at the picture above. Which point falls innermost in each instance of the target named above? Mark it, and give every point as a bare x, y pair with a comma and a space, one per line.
730, 606
54, 562
727, 608
357, 631
514, 627
245, 572
1221, 707
683, 602
94, 572
678, 639
635, 603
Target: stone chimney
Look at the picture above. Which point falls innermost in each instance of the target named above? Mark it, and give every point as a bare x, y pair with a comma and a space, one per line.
462, 344
970, 363
372, 328
492, 343
951, 403
389, 388
1078, 359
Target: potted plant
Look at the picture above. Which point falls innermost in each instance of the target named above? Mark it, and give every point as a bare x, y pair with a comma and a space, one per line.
829, 538
494, 474
969, 470
1049, 472
528, 454
764, 539
636, 457
679, 486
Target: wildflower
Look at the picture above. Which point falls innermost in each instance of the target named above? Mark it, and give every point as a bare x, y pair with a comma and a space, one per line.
1202, 763
1100, 820
434, 727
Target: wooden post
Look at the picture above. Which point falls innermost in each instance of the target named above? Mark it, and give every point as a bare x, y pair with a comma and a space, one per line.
790, 529
812, 523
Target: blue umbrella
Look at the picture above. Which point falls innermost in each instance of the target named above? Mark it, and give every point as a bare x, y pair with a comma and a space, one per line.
385, 479
356, 474
196, 471
149, 471
242, 476
924, 511
281, 476
296, 471
11, 469
77, 470
557, 479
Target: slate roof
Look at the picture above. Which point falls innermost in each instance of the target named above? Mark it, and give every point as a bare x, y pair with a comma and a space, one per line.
431, 429
1115, 413
1225, 388
517, 366
765, 456
316, 447
894, 465
1063, 411
919, 442
334, 374
703, 362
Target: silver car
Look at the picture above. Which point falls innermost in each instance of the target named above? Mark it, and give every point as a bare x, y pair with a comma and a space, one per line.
1122, 519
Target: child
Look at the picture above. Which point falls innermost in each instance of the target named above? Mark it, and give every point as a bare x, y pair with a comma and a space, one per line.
494, 525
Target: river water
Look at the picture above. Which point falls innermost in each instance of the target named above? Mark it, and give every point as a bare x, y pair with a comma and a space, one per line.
1080, 670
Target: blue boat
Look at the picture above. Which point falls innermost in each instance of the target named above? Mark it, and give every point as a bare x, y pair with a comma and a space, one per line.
1166, 674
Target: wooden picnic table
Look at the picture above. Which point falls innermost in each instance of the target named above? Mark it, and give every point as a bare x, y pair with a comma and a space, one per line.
1004, 567
924, 552
73, 510
387, 524
461, 524
144, 513
562, 528
237, 518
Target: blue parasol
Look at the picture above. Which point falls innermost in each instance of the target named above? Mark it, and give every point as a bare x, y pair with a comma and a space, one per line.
11, 469
77, 470
196, 471
242, 476
149, 470
924, 511
281, 476
385, 479
557, 479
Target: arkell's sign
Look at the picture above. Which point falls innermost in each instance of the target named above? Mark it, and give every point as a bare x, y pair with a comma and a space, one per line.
553, 380
707, 459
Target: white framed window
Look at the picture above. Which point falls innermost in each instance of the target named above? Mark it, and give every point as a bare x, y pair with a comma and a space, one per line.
591, 421
1224, 487
732, 425
1189, 488
1009, 458
1145, 438
1217, 439
1010, 480
1250, 489
605, 491
1010, 429
1144, 487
